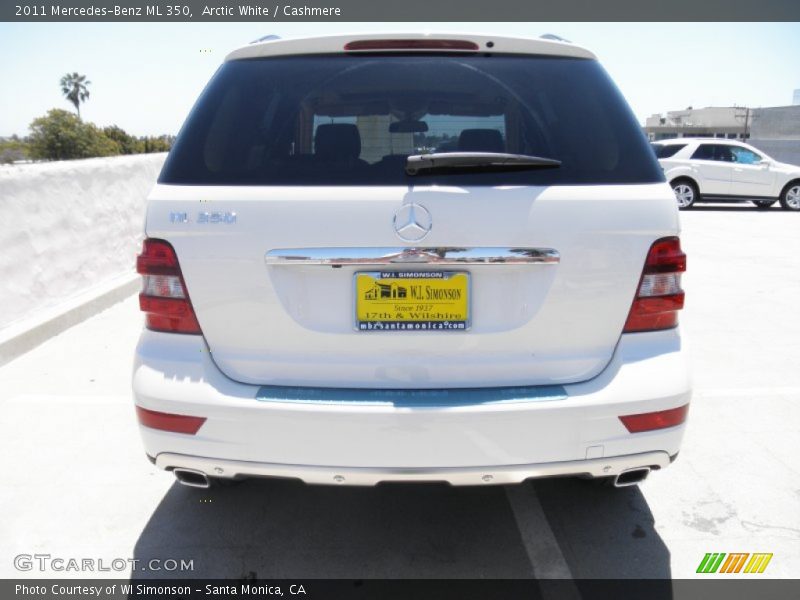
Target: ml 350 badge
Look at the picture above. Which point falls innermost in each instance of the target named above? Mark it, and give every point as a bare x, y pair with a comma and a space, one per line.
412, 300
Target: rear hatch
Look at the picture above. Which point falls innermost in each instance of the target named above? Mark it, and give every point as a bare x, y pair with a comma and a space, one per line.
288, 181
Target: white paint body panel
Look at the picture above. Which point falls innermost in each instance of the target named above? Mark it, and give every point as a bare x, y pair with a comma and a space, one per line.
176, 374
531, 324
728, 178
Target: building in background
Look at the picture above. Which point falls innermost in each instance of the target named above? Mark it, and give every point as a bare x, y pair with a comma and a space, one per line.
731, 122
774, 130
796, 97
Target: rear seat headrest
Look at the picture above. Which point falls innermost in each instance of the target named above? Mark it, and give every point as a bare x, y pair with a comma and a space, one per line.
337, 141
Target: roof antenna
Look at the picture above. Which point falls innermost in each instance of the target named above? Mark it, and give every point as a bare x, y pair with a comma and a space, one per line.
266, 38
554, 37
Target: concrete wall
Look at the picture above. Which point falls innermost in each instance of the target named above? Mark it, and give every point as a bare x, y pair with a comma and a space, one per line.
69, 227
776, 123
787, 151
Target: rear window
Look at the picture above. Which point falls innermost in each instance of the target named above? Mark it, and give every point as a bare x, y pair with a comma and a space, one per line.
353, 120
667, 150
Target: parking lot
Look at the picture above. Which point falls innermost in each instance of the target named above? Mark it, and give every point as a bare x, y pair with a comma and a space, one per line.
77, 483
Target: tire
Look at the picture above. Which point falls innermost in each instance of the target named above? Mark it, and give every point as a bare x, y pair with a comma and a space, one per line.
790, 198
763, 204
686, 193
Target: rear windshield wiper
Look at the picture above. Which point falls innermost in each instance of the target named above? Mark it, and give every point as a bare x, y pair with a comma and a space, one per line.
476, 161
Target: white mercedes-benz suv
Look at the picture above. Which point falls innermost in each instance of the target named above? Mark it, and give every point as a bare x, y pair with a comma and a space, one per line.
714, 170
411, 258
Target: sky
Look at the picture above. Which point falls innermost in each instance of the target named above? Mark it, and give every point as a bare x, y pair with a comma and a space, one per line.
146, 76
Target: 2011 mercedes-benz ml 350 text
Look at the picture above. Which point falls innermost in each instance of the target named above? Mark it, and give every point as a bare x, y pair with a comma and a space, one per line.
411, 258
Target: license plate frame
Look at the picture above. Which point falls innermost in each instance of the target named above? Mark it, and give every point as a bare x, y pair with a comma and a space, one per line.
460, 308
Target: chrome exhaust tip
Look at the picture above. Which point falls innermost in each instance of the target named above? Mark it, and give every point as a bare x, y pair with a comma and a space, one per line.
192, 478
631, 477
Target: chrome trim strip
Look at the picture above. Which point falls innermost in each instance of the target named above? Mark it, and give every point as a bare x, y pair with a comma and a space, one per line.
493, 474
441, 256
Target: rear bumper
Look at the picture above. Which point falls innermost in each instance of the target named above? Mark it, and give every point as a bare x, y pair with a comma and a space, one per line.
324, 436
503, 474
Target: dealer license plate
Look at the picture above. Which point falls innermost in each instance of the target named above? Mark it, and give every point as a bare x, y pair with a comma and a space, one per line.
412, 300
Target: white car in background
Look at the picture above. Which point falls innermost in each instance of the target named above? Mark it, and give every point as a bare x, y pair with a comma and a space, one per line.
714, 170
397, 257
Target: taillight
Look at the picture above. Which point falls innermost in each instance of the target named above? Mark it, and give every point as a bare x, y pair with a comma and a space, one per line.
164, 298
378, 45
659, 297
169, 421
655, 420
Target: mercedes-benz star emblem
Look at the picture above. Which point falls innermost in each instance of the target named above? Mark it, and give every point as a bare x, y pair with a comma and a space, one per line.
412, 222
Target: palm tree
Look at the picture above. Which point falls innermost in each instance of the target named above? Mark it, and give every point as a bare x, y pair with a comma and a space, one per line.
74, 87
